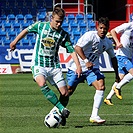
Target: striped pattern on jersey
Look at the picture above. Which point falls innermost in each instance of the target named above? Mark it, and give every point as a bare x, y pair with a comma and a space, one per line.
47, 44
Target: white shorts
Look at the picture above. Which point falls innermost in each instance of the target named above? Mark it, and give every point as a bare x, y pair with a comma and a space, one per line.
53, 75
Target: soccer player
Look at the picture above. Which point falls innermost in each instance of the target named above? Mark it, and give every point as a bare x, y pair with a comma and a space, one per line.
45, 61
89, 48
124, 56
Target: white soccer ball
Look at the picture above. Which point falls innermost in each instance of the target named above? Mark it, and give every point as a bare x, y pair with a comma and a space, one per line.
52, 120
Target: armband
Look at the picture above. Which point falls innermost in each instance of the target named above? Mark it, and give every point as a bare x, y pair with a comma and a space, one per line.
86, 60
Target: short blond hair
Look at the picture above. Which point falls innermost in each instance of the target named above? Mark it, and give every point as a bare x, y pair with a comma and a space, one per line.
58, 11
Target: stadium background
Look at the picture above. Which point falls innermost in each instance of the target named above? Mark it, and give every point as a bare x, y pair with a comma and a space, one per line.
81, 16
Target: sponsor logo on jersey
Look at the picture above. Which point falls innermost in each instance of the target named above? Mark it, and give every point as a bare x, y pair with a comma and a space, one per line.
48, 42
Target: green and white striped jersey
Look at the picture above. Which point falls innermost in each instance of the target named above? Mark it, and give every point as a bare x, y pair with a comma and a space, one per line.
47, 44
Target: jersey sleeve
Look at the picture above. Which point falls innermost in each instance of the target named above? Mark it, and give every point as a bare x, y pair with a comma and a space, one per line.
84, 40
34, 27
122, 27
68, 45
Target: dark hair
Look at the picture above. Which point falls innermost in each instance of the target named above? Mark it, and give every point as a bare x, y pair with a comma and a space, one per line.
59, 11
104, 20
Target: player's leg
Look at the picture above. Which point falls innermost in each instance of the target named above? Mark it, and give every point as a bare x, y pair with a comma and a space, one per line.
128, 68
107, 100
96, 79
60, 83
73, 81
40, 77
127, 78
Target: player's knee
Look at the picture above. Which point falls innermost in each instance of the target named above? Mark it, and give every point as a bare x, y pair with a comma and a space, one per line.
63, 91
40, 80
64, 94
101, 88
41, 84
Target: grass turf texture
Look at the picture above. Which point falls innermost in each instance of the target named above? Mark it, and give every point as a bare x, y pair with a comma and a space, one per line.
23, 108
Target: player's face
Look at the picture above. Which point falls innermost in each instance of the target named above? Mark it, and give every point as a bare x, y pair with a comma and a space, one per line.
102, 30
56, 22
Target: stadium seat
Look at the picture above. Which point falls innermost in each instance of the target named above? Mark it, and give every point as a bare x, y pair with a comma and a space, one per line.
11, 18
17, 30
32, 42
24, 42
7, 26
83, 31
20, 18
6, 42
40, 17
92, 25
24, 25
71, 18
72, 41
79, 18
16, 26
76, 35
73, 26
11, 35
65, 19
89, 17
70, 33
65, 26
3, 19
28, 17
42, 11
82, 26
3, 35
30, 36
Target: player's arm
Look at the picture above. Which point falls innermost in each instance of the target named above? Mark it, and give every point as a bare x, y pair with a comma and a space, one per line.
21, 35
76, 60
80, 52
114, 63
115, 67
114, 35
70, 49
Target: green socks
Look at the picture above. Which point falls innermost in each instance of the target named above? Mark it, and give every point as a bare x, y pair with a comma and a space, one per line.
51, 96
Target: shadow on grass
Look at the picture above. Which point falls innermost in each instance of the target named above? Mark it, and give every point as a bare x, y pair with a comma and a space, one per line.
109, 123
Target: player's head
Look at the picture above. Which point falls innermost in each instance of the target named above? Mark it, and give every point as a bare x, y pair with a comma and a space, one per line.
58, 15
103, 27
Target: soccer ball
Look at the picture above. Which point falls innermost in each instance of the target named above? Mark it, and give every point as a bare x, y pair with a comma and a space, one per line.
52, 120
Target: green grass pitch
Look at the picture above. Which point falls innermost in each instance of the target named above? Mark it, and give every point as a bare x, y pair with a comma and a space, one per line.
23, 107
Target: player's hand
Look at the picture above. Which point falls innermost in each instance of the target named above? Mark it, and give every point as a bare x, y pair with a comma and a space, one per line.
119, 45
79, 71
89, 65
12, 46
